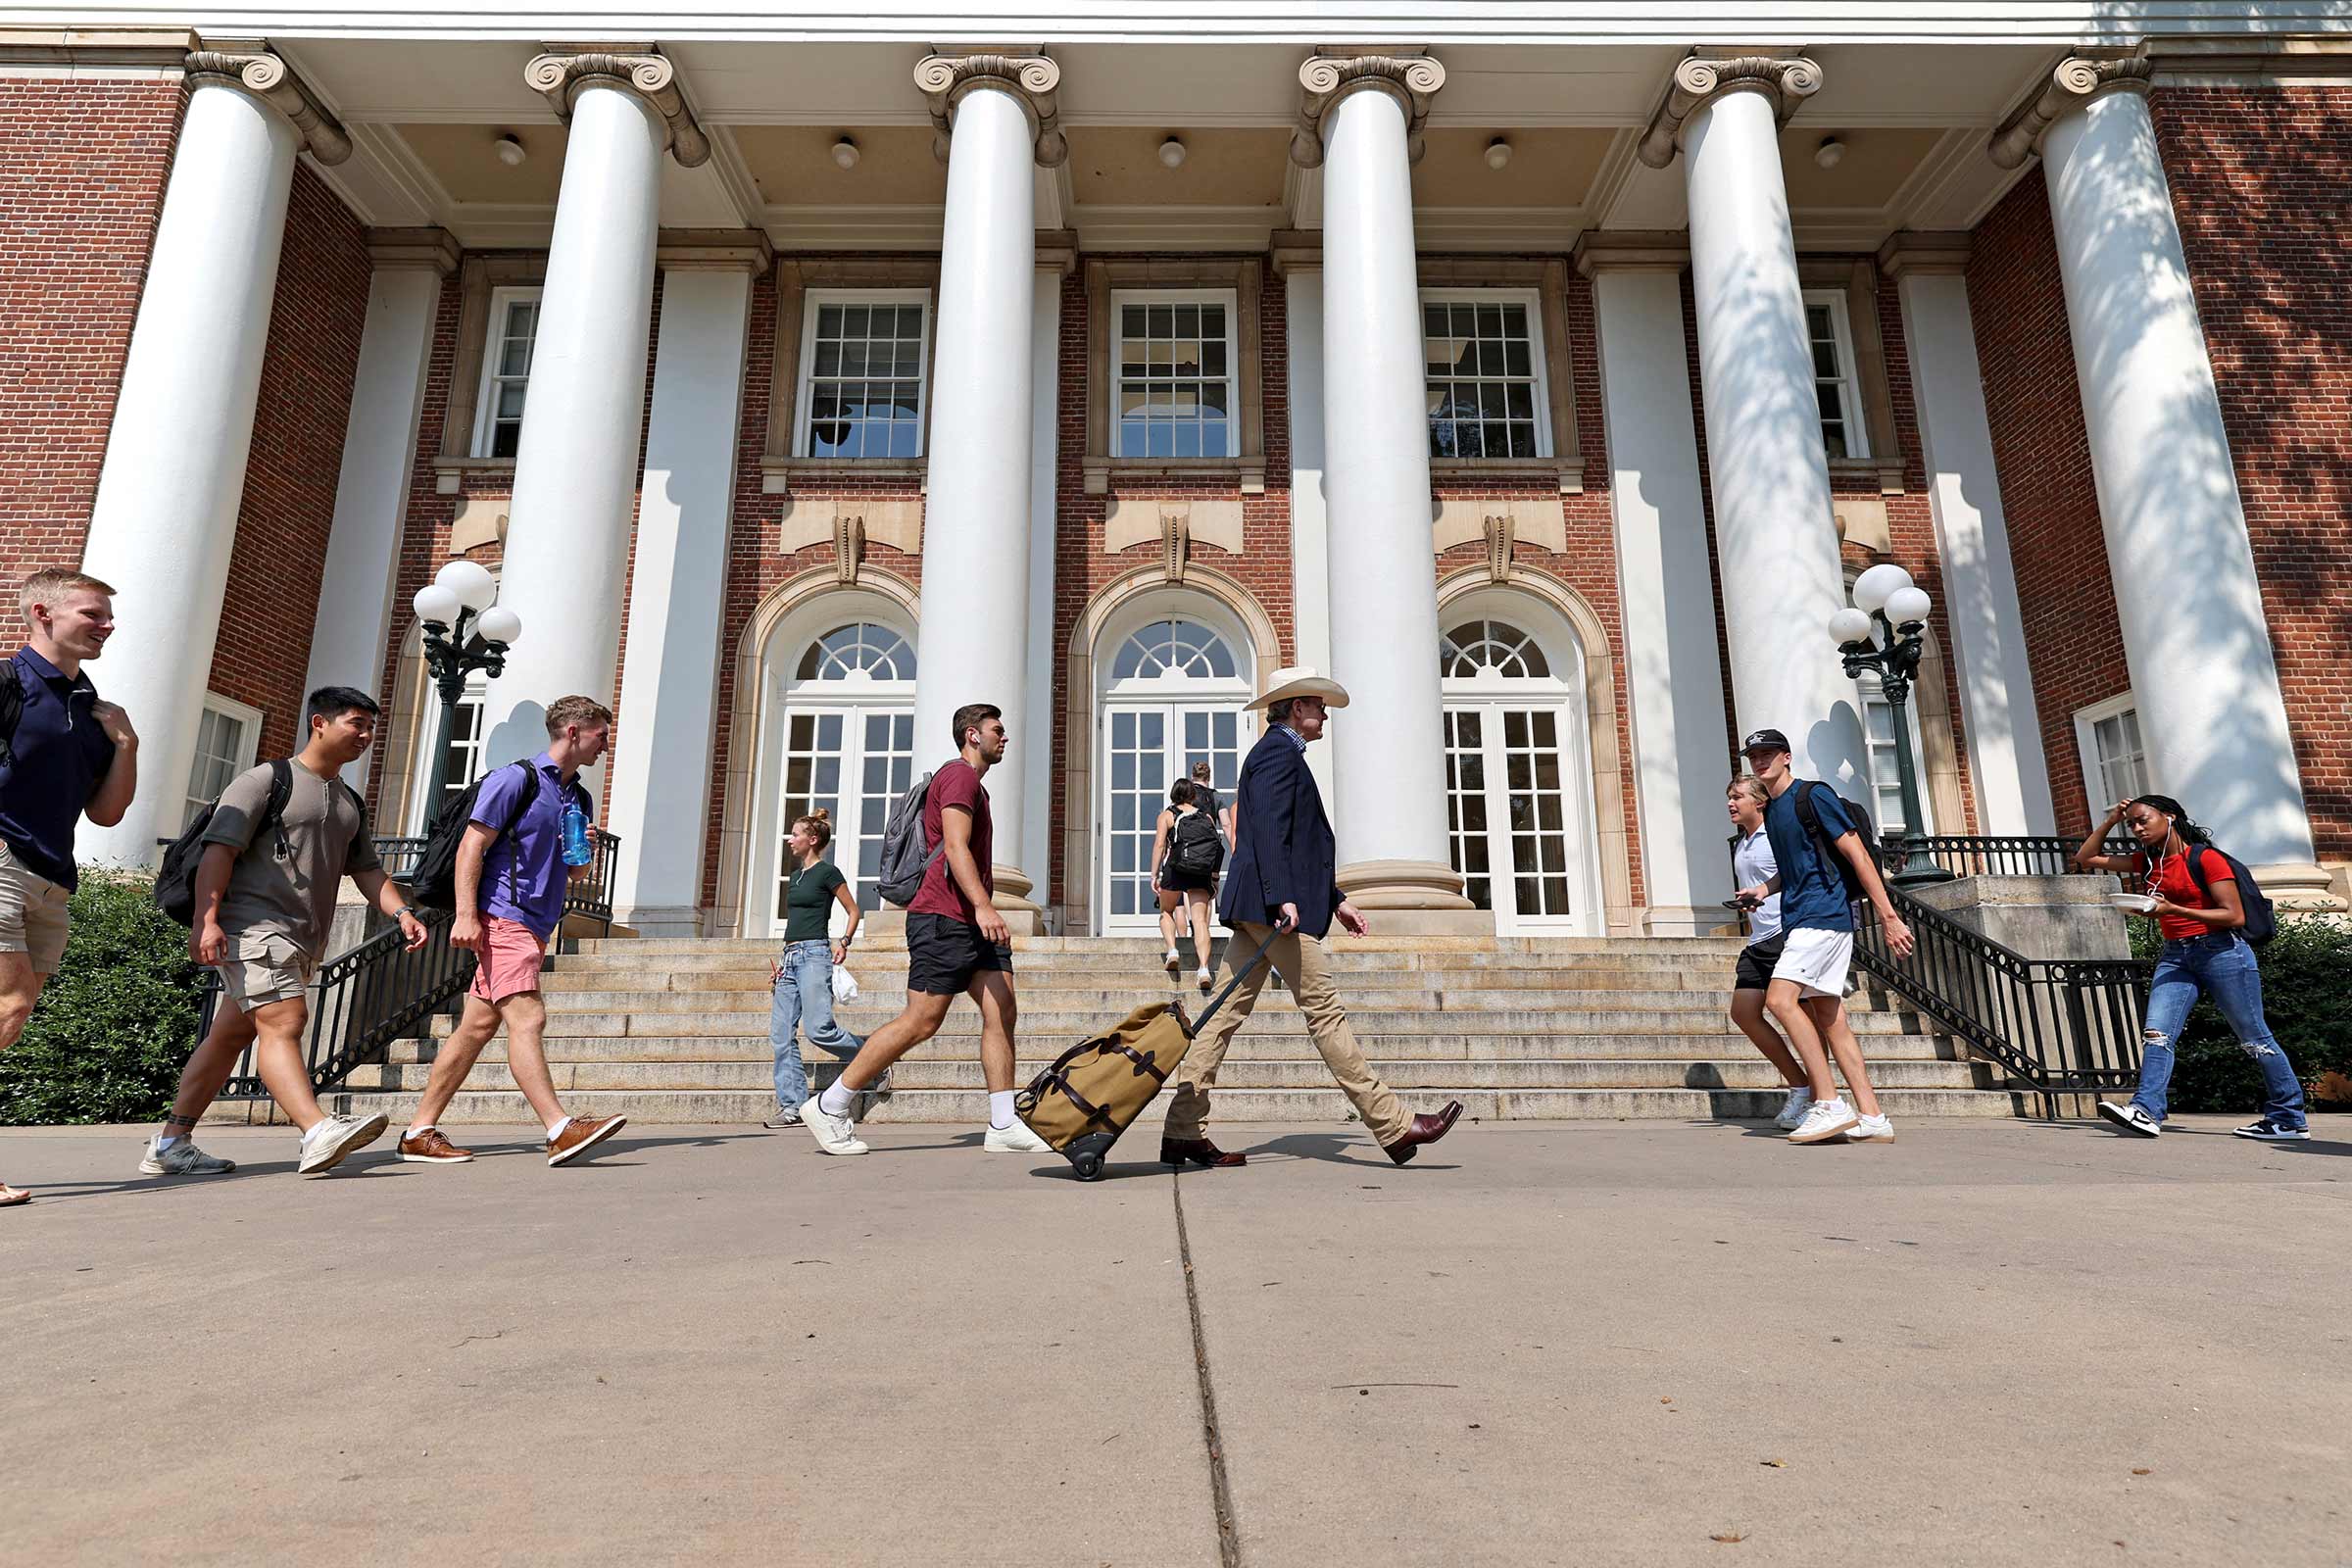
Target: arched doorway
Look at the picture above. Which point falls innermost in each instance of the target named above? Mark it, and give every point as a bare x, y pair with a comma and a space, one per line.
1171, 692
1519, 811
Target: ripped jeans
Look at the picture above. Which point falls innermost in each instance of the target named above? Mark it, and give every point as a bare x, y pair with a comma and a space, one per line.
2224, 967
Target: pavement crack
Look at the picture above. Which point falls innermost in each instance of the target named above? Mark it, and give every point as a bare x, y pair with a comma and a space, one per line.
1229, 1535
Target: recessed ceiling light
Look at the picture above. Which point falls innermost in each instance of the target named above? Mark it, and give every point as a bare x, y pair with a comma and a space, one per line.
845, 153
1830, 152
1172, 153
509, 151
1499, 153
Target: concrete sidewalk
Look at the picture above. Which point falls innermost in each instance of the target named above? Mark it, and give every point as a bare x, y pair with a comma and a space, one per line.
1991, 1343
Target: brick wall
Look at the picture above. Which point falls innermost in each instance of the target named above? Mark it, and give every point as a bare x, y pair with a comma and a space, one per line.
83, 168
2259, 179
288, 508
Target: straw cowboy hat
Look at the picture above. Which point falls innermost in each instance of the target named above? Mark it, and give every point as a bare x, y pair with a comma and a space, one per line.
1300, 680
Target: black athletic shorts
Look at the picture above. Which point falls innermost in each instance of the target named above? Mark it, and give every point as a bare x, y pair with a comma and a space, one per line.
1754, 972
944, 954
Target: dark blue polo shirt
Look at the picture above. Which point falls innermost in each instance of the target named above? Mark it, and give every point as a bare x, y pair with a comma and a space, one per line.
60, 756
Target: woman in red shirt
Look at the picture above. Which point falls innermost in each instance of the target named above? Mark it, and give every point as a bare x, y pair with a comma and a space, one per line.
2203, 954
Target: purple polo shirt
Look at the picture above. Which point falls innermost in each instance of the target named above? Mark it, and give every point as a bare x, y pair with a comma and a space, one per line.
523, 876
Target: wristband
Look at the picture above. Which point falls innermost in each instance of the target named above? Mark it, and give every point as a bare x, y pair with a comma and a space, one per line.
409, 910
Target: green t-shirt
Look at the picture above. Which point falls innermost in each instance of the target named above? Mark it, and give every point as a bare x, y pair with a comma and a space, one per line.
809, 900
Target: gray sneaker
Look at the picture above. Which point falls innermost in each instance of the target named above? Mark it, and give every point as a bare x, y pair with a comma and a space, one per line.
182, 1158
782, 1116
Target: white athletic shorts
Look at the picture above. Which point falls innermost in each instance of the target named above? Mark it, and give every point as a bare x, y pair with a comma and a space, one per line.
1817, 960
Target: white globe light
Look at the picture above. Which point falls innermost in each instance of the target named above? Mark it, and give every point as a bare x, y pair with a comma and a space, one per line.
498, 625
1172, 153
1872, 588
473, 584
1907, 605
1849, 625
435, 603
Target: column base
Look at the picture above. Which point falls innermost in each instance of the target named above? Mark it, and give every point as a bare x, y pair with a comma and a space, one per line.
1403, 885
1688, 920
660, 919
2303, 889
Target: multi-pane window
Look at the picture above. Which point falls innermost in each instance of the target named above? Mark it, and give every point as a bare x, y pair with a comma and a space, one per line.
1834, 382
464, 754
875, 650
1173, 393
863, 369
506, 371
1173, 648
2115, 760
226, 735
846, 746
1485, 373
1479, 647
1886, 777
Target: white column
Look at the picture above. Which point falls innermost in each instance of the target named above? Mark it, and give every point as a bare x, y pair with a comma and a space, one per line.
1045, 377
1776, 539
2189, 604
1310, 527
1665, 588
660, 800
379, 451
973, 644
165, 515
1384, 602
1972, 540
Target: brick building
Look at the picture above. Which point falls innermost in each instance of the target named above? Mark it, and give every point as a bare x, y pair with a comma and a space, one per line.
798, 390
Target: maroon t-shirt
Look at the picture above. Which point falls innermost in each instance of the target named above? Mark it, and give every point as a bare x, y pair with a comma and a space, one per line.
956, 784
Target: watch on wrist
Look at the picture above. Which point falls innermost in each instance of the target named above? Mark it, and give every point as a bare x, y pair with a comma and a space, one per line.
407, 909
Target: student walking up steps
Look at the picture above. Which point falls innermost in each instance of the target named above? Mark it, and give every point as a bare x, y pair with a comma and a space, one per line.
264, 910
512, 879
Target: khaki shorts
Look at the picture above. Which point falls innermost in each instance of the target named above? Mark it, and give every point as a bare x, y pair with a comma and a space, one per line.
260, 970
33, 914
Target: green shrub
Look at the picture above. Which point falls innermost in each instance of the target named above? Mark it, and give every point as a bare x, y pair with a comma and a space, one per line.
2306, 999
116, 1020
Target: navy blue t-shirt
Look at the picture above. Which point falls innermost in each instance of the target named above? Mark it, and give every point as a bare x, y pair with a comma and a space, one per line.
1812, 893
60, 754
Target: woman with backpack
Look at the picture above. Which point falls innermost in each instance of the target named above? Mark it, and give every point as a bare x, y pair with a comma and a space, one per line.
1185, 852
2211, 913
802, 977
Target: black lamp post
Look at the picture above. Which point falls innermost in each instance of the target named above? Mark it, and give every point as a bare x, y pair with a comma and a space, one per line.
1882, 631
462, 633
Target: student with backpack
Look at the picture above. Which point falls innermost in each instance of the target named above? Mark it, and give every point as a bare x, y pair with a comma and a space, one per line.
1821, 845
1185, 852
2213, 915
274, 850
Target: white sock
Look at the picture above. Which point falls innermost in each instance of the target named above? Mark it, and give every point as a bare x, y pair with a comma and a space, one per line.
420, 1130
999, 1108
837, 1099
556, 1131
165, 1141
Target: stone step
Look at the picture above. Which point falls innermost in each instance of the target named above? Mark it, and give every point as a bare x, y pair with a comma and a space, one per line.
1340, 946
1141, 964
969, 1107
1366, 1003
652, 975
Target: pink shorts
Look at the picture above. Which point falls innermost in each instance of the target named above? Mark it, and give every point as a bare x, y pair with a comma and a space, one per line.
510, 964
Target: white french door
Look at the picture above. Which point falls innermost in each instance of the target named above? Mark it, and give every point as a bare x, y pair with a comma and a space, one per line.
1512, 798
1145, 747
853, 762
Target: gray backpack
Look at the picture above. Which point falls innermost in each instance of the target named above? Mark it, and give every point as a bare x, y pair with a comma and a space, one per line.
905, 854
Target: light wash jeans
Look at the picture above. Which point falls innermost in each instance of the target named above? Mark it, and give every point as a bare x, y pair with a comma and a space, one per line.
804, 1002
2224, 967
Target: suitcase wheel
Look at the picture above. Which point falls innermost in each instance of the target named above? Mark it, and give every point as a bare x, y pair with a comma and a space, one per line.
1088, 1167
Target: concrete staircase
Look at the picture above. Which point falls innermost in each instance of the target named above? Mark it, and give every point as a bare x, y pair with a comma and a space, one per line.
677, 1031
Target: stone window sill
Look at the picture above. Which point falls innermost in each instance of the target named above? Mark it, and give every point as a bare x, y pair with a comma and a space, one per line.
1888, 472
1248, 477
1567, 472
450, 473
780, 476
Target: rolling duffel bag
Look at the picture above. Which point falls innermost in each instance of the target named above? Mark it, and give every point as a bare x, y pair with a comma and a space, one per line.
1095, 1089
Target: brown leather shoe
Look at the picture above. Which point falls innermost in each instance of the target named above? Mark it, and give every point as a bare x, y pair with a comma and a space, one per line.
1424, 1130
1197, 1152
581, 1134
430, 1147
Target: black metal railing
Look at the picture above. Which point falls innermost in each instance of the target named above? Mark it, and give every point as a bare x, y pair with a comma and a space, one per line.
1977, 854
590, 898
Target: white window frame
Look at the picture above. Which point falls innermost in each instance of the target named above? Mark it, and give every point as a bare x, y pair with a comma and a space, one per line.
1539, 371
1850, 376
249, 721
485, 399
1867, 690
477, 691
813, 299
2086, 748
1230, 299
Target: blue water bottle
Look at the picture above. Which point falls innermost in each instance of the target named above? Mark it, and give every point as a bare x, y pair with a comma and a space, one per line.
575, 836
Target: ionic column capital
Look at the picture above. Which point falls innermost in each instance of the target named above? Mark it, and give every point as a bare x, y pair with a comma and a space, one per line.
947, 80
1324, 79
1788, 81
263, 76
2075, 82
559, 78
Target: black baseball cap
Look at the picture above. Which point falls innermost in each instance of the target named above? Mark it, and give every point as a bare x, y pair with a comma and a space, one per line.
1764, 740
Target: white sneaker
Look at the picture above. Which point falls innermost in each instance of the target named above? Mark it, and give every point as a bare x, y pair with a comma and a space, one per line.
1016, 1139
182, 1158
1174, 960
1871, 1130
1793, 1109
1204, 978
327, 1145
835, 1135
2131, 1119
1825, 1121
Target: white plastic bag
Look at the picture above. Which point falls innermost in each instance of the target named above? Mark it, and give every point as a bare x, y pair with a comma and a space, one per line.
845, 984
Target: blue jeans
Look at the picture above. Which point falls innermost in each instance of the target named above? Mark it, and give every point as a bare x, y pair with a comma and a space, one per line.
2221, 967
804, 1002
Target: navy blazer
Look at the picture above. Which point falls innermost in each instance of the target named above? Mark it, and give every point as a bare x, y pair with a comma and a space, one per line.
1283, 850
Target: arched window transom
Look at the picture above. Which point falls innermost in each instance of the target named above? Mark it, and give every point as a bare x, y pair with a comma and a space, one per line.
1174, 648
1490, 647
876, 652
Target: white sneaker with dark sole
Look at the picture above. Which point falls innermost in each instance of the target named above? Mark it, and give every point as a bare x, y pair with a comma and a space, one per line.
2272, 1132
2131, 1119
1016, 1139
835, 1135
183, 1158
335, 1139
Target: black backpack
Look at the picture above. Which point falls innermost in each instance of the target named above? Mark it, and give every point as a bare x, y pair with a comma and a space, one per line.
433, 883
2262, 920
1196, 847
12, 710
175, 878
1811, 818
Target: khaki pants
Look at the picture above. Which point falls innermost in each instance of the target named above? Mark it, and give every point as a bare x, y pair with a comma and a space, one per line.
1306, 971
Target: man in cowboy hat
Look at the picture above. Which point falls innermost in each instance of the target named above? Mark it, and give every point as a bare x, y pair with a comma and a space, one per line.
1280, 883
